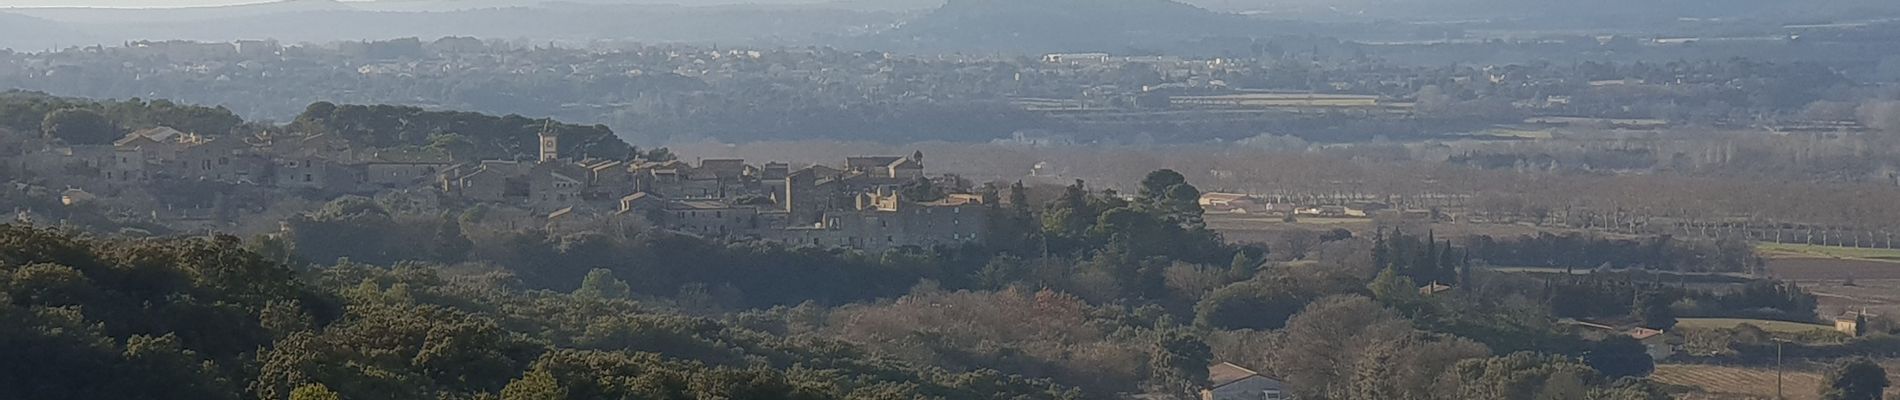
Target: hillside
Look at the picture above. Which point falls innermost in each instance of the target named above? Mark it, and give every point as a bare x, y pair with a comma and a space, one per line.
331, 20
88, 15
22, 32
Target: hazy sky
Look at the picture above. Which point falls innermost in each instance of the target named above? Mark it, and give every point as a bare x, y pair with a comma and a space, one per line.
122, 3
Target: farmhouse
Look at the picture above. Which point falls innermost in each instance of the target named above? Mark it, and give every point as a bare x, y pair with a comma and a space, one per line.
1227, 381
1852, 323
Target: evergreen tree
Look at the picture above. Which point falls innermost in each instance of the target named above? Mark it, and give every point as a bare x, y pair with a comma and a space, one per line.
1178, 362
1651, 309
1855, 379
1019, 196
451, 246
535, 385
79, 126
314, 391
1381, 251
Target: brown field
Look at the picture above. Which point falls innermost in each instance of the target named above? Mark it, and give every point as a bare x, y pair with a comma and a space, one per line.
1876, 284
1739, 383
1878, 296
1800, 382
1817, 268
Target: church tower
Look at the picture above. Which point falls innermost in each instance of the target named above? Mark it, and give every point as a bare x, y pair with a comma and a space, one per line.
550, 144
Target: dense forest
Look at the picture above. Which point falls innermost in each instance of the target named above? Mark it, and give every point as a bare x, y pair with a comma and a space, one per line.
465, 135
205, 318
31, 111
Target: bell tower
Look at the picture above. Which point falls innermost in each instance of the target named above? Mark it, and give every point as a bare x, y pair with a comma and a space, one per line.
550, 143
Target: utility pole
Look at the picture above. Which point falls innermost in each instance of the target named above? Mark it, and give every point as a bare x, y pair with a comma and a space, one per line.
1778, 343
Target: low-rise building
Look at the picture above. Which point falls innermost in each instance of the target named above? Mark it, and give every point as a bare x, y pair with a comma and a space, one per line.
1227, 381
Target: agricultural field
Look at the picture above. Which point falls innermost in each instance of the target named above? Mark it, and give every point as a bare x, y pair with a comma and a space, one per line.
1842, 278
1799, 251
1800, 382
1724, 382
1767, 325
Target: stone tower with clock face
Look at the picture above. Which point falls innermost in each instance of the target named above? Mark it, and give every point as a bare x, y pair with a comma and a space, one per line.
550, 146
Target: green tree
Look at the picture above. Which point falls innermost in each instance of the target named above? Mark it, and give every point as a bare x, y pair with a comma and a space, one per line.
1256, 304
314, 391
450, 245
1156, 185
1855, 379
1651, 309
1620, 356
1178, 362
600, 283
535, 385
79, 126
1394, 290
1563, 385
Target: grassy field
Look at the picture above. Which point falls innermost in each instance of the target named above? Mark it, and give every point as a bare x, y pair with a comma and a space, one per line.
1786, 250
1768, 325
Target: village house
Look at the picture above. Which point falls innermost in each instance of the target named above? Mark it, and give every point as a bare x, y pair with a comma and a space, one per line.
1227, 381
394, 170
228, 160
1852, 323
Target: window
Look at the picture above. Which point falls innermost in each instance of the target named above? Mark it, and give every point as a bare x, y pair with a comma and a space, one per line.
224, 160
306, 177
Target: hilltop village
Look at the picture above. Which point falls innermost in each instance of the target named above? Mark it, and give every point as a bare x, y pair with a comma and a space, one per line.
872, 202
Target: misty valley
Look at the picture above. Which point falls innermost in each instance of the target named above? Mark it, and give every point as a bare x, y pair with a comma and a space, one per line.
949, 199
